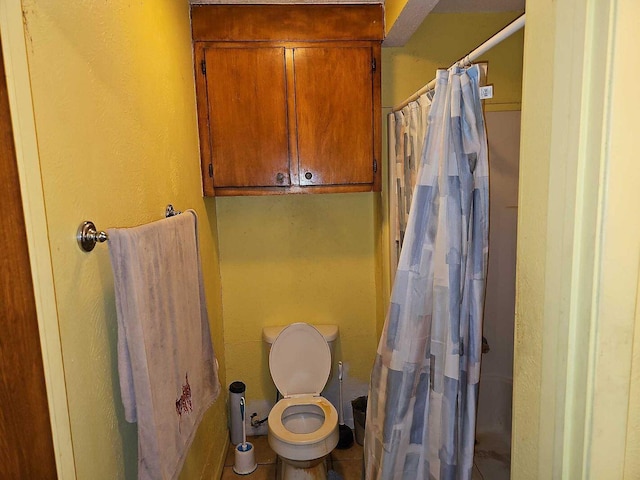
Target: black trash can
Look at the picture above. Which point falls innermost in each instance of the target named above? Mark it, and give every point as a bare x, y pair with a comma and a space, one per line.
359, 406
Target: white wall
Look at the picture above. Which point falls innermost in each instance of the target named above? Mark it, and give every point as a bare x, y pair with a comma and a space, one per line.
496, 380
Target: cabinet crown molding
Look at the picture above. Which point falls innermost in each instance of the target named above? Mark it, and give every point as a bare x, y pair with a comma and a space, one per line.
291, 22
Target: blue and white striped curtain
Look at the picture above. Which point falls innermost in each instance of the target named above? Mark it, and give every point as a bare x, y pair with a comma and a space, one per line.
424, 385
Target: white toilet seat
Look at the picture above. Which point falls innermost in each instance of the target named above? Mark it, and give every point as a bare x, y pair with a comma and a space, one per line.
277, 428
300, 363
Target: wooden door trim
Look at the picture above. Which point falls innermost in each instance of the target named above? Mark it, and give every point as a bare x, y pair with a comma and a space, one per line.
28, 162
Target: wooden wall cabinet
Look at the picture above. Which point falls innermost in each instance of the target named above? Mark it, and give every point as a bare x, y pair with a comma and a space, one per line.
288, 98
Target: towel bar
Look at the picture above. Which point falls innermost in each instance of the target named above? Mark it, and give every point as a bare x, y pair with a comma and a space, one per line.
88, 235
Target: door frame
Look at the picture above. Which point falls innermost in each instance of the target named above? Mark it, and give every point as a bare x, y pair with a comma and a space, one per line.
28, 161
575, 373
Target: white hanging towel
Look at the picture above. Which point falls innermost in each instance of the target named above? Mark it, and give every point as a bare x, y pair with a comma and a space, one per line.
168, 372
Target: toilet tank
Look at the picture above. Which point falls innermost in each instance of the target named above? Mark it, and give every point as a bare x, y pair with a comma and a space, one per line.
329, 332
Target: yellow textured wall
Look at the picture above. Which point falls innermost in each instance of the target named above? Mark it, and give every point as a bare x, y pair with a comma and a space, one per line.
114, 107
297, 258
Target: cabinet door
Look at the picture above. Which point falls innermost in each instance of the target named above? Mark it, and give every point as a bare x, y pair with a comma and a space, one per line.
334, 115
246, 89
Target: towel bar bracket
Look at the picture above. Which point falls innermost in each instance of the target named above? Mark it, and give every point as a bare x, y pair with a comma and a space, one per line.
171, 212
88, 236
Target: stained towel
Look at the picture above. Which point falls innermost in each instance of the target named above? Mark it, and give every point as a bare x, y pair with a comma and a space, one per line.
168, 372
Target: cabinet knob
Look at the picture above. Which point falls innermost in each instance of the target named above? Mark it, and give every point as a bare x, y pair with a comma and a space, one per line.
308, 175
280, 177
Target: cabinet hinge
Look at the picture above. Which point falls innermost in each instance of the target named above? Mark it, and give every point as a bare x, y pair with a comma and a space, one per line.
203, 67
375, 166
373, 64
211, 170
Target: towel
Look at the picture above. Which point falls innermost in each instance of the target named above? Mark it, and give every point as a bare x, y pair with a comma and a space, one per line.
168, 372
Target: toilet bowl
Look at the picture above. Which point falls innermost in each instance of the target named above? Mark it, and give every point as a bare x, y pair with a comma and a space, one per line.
303, 426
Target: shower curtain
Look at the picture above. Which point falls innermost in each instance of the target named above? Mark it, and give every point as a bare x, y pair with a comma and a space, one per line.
406, 138
424, 384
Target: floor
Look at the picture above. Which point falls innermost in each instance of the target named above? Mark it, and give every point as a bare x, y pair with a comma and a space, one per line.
346, 463
491, 461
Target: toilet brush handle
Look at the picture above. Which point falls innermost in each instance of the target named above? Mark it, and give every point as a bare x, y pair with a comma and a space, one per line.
340, 412
244, 426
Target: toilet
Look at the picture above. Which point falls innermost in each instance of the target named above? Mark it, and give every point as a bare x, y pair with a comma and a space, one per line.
303, 426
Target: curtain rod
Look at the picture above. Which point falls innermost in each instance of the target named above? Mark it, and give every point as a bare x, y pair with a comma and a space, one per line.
503, 34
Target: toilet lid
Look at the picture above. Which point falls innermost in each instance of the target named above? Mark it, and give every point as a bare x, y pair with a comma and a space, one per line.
300, 360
